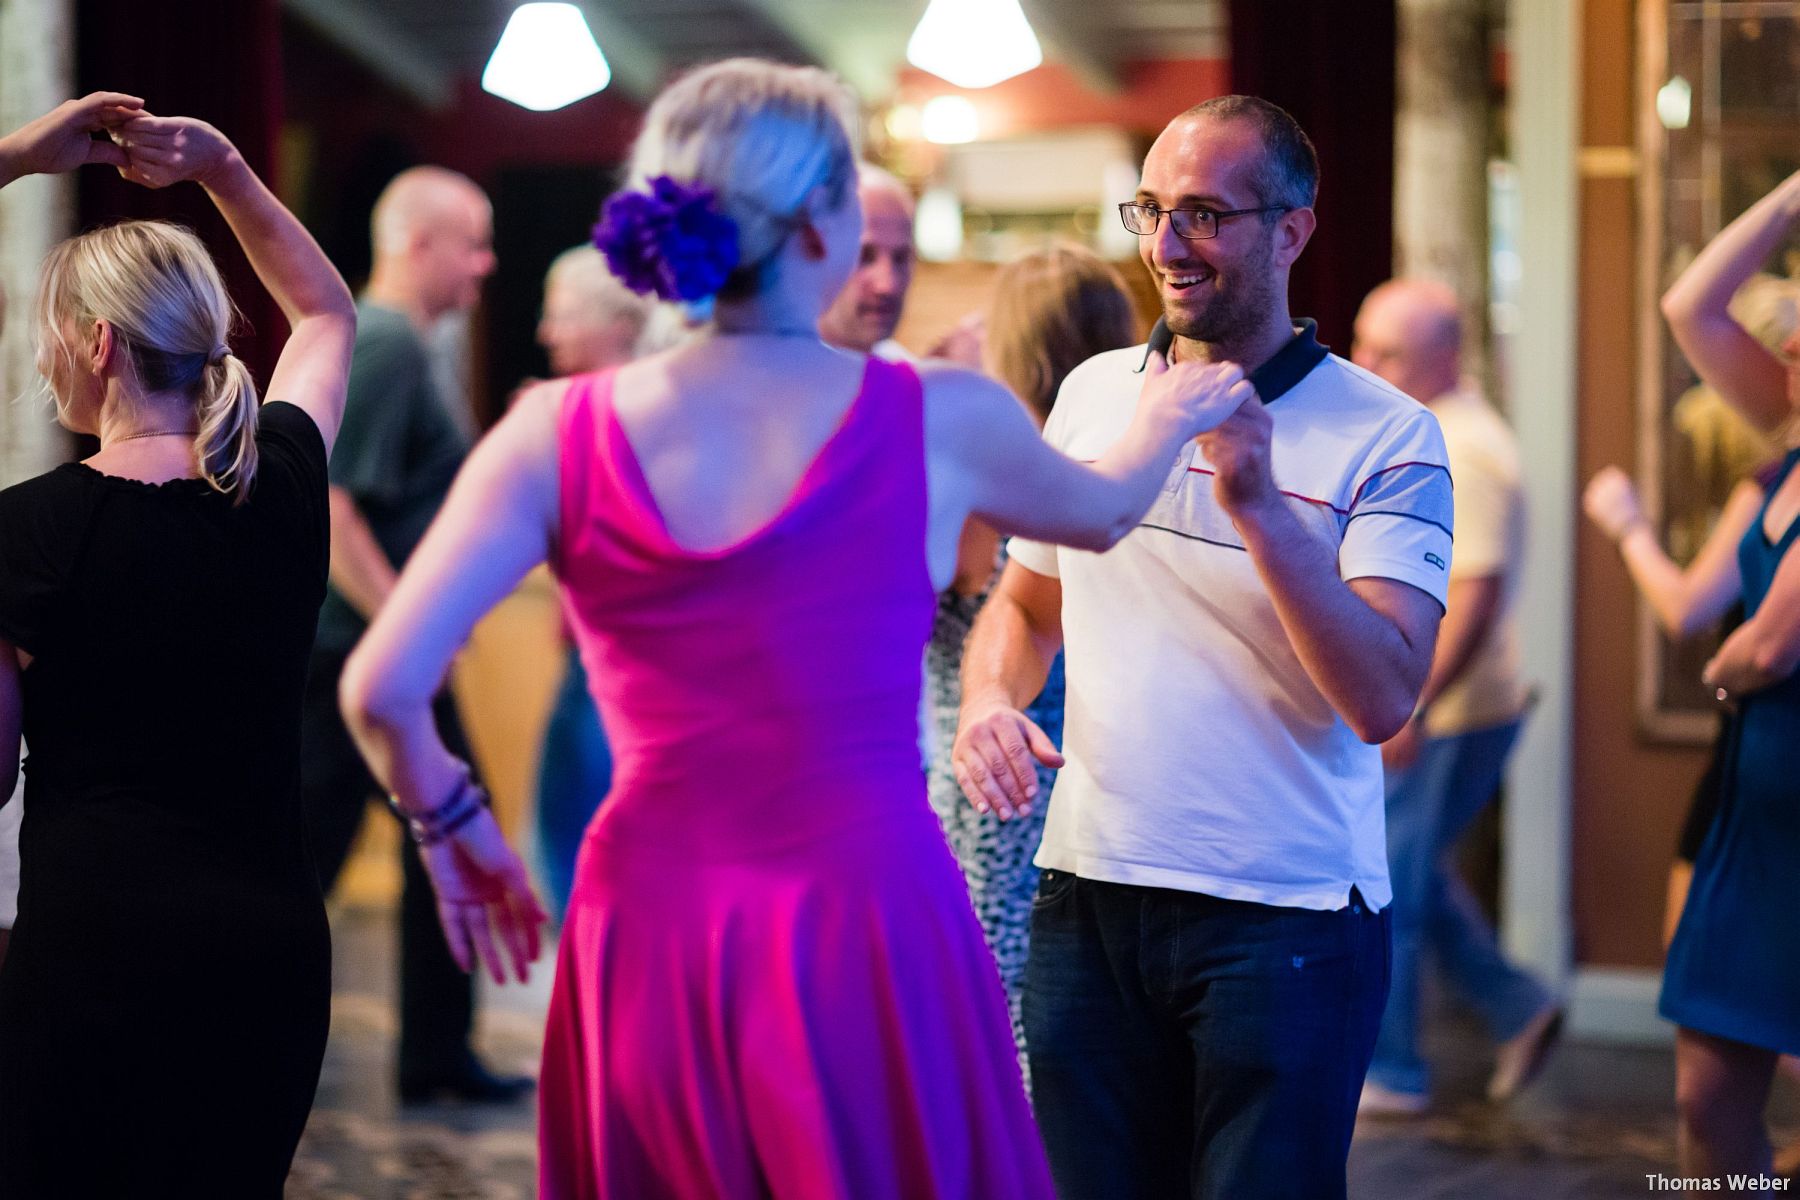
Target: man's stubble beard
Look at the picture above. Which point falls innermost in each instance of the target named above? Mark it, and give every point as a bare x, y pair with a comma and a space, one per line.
1236, 311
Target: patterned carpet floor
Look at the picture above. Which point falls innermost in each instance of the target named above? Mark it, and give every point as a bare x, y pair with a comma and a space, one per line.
1597, 1123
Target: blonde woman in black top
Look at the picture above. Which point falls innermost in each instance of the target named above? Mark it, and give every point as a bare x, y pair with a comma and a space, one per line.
164, 1003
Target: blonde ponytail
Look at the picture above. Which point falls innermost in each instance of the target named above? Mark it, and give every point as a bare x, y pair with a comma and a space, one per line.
161, 292
226, 442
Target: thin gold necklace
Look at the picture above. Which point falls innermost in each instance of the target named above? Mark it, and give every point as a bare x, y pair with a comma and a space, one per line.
149, 433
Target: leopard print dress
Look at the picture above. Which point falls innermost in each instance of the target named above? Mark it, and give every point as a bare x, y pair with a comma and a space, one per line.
995, 855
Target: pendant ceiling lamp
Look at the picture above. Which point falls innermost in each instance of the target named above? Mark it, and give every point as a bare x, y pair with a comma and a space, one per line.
974, 43
546, 59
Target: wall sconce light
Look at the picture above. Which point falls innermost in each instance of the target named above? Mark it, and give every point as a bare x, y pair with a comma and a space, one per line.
1675, 103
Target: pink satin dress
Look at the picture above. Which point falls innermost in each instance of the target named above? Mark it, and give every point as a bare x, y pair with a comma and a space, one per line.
770, 983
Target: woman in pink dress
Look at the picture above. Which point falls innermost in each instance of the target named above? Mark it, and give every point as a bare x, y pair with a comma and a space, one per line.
770, 980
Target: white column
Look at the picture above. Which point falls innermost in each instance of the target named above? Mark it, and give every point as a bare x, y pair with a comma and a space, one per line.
1546, 101
36, 74
1441, 157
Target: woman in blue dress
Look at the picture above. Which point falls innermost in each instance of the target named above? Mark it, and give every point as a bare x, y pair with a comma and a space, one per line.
1732, 981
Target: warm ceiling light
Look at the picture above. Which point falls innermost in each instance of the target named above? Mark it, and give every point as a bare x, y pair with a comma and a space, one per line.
903, 123
974, 43
546, 59
949, 121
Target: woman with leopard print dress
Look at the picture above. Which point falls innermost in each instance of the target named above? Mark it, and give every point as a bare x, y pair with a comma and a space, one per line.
1052, 310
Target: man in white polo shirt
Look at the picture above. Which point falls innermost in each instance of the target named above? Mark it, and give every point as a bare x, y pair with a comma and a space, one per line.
1445, 765
1208, 952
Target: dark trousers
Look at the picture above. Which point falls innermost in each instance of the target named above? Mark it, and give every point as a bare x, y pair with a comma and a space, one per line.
437, 999
1187, 1046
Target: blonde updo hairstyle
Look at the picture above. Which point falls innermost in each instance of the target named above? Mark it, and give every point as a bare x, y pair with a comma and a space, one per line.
1053, 309
159, 289
764, 137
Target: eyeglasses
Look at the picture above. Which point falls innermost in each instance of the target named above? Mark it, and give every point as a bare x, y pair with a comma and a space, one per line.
1195, 224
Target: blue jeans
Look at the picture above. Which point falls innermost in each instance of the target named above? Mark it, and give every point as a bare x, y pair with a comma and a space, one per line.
1429, 806
574, 775
1184, 1045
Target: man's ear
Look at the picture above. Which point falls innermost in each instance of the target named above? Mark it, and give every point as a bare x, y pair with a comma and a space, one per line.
1293, 229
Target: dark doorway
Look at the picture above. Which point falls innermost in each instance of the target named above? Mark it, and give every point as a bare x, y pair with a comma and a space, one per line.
538, 213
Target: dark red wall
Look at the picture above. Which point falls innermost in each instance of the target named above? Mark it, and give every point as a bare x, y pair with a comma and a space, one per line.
221, 62
545, 172
259, 75
1331, 64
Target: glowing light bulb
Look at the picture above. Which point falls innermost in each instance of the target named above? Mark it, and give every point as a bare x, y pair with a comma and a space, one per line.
949, 121
1675, 103
546, 59
903, 122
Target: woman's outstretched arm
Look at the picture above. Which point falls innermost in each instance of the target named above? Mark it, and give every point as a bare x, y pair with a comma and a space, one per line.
989, 460
1697, 306
498, 523
59, 140
314, 368
1684, 600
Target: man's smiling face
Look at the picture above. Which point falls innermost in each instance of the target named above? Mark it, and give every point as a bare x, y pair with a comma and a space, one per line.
1213, 289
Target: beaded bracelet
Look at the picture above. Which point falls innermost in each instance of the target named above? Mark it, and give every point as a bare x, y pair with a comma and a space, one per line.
452, 824
453, 818
466, 799
431, 814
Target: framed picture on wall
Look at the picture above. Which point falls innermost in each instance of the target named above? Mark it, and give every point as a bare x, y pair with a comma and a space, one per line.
1718, 118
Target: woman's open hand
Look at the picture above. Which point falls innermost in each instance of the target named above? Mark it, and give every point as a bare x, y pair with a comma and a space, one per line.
1196, 397
62, 139
484, 899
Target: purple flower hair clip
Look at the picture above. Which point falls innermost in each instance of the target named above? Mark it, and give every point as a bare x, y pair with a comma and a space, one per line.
671, 240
